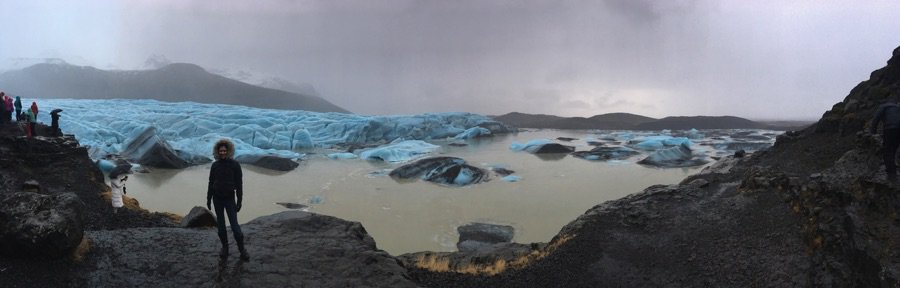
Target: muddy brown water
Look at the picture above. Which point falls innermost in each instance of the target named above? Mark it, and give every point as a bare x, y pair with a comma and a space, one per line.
421, 216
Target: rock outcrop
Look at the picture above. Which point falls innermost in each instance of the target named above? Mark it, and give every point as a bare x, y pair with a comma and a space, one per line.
198, 217
35, 225
476, 235
288, 249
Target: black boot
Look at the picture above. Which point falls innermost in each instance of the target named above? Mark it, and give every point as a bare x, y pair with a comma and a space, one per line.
223, 253
240, 243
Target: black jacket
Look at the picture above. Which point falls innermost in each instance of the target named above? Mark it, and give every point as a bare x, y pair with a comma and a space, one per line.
225, 180
889, 113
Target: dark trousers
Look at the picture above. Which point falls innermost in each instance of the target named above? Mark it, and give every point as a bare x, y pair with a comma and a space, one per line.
891, 140
230, 208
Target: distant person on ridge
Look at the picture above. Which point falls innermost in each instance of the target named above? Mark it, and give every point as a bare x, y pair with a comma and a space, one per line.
889, 113
225, 182
18, 105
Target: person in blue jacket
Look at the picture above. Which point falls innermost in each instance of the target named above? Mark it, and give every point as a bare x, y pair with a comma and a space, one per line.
889, 114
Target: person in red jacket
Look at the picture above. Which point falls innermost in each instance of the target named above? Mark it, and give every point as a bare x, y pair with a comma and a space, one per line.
34, 109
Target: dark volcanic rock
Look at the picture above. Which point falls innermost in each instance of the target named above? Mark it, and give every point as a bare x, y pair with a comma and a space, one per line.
288, 249
198, 217
268, 162
35, 225
550, 148
477, 235
291, 205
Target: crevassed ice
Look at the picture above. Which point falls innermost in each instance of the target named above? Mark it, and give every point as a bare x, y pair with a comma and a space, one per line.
193, 127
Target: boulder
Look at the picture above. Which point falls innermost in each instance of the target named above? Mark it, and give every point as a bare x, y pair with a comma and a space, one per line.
198, 217
268, 162
31, 186
476, 235
291, 205
554, 148
34, 225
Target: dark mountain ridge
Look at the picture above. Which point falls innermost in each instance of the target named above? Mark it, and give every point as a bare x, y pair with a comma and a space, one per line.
173, 82
628, 121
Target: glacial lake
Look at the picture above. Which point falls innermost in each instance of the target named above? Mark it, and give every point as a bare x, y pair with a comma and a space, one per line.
422, 216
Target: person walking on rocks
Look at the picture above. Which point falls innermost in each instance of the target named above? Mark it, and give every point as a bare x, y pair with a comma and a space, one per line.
889, 114
225, 183
117, 182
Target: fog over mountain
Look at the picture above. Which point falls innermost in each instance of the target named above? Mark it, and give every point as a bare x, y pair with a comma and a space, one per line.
171, 82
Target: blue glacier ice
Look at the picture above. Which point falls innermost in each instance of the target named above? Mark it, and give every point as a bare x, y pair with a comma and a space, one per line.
192, 128
401, 151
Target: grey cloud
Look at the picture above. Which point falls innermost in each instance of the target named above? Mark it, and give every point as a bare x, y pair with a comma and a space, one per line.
752, 59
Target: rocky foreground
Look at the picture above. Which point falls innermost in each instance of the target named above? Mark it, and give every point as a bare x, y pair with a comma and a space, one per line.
815, 210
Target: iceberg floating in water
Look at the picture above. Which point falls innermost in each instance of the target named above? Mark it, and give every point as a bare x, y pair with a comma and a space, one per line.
399, 152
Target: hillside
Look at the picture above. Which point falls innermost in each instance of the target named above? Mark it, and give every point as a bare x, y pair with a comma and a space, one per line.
627, 121
174, 82
701, 122
611, 121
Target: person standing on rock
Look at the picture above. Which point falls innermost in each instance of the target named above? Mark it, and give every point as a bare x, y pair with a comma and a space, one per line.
225, 183
889, 113
9, 108
18, 105
34, 109
117, 182
29, 123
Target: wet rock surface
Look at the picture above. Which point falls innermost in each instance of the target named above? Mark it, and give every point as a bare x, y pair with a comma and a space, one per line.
288, 249
475, 235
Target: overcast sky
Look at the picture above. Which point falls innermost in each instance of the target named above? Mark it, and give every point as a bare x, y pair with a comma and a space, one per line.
754, 59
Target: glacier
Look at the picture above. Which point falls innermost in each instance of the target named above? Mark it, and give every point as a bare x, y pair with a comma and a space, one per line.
190, 128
